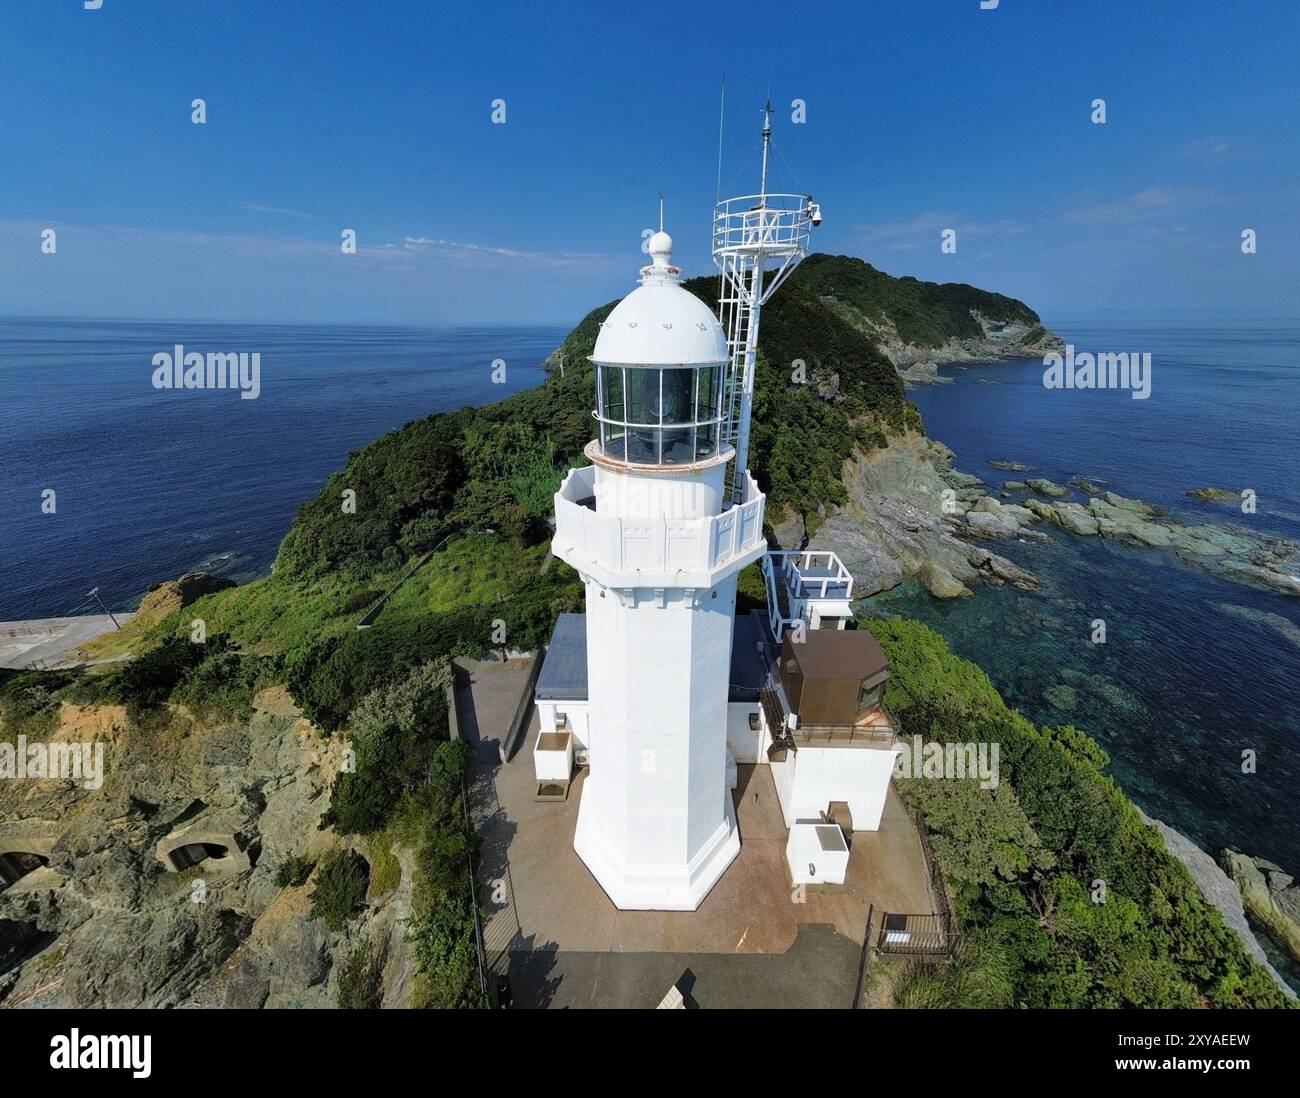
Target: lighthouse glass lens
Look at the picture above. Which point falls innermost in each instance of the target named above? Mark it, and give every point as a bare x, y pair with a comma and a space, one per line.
659, 416
611, 392
706, 397
679, 388
642, 416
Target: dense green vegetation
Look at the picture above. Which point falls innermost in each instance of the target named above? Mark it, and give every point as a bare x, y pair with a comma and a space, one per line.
394, 733
214, 680
1069, 898
361, 980
927, 314
29, 702
340, 888
442, 930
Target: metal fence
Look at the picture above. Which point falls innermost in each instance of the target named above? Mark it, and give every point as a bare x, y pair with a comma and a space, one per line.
929, 935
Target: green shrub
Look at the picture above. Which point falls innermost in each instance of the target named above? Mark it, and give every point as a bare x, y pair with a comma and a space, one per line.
361, 979
445, 951
340, 888
1023, 860
294, 871
394, 732
29, 702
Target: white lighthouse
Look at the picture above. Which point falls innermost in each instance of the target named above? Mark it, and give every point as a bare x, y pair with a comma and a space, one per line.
658, 543
658, 689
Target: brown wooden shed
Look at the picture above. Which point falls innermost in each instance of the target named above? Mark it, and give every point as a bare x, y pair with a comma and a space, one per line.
832, 676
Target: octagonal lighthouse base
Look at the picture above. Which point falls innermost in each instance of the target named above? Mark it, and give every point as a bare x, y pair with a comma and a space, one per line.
643, 886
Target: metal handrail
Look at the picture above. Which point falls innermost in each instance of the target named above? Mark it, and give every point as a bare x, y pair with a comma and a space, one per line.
773, 224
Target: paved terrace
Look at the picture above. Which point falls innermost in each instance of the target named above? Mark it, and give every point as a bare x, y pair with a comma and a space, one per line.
51, 642
564, 943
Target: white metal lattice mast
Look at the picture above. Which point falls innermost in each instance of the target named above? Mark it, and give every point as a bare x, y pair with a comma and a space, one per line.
758, 240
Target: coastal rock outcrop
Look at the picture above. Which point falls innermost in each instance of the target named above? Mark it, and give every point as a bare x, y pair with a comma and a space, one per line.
1261, 560
908, 515
1270, 894
172, 595
1218, 888
1045, 487
998, 341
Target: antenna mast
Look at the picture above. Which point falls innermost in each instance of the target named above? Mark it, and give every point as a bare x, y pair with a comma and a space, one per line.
758, 240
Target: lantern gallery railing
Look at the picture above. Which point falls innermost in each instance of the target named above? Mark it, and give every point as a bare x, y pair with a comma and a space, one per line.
650, 415
679, 552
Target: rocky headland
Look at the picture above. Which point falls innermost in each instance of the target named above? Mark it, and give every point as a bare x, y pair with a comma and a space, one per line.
895, 524
912, 514
109, 921
999, 341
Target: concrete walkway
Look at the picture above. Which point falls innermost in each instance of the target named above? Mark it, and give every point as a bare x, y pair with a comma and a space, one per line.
47, 642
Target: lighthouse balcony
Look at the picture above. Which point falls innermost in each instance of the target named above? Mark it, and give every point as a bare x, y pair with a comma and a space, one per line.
618, 551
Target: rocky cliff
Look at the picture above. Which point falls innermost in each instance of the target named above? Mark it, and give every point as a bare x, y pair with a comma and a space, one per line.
111, 921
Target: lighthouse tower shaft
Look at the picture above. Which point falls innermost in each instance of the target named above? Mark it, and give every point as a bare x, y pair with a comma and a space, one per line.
659, 543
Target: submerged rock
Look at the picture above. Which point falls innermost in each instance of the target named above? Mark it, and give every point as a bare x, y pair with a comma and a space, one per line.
1215, 495
1045, 487
1062, 697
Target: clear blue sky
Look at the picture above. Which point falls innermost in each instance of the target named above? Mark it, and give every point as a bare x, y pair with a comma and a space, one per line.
331, 114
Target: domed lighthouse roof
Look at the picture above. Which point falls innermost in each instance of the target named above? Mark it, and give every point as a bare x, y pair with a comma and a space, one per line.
660, 323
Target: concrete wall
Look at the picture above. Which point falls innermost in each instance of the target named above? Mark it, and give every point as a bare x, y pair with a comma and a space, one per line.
812, 777
746, 743
579, 724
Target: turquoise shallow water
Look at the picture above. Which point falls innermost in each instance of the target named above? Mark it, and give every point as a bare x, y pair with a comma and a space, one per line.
1195, 670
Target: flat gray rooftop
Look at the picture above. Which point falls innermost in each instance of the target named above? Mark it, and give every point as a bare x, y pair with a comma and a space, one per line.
564, 667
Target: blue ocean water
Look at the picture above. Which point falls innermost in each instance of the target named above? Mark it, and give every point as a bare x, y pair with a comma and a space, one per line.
150, 484
1195, 670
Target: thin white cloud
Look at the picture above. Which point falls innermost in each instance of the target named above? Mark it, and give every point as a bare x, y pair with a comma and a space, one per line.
1142, 206
1208, 148
545, 259
258, 207
923, 231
